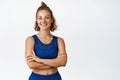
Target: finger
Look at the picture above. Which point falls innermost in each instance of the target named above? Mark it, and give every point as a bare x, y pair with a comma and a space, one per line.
29, 61
61, 55
29, 56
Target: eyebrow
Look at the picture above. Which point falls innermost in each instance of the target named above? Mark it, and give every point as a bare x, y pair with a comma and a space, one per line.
46, 15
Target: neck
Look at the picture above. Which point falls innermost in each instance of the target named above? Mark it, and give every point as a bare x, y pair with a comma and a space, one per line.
45, 33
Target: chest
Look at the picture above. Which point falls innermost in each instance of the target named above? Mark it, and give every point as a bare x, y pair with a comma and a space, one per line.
46, 53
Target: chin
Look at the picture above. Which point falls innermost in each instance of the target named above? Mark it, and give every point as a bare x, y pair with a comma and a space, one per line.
44, 27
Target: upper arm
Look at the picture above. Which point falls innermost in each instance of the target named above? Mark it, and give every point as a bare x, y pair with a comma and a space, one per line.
61, 46
62, 49
29, 46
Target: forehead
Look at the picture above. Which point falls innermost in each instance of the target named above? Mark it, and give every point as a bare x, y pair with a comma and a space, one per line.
43, 13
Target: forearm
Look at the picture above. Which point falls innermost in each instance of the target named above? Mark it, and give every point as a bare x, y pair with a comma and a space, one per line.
37, 65
54, 62
57, 62
34, 64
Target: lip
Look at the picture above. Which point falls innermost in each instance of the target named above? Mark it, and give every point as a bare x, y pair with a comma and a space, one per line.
44, 25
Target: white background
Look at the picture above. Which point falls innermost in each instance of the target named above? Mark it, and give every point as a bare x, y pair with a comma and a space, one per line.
90, 28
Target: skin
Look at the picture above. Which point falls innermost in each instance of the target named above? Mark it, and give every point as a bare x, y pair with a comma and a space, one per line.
44, 66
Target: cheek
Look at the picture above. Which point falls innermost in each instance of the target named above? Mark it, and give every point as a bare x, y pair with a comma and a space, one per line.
50, 21
37, 20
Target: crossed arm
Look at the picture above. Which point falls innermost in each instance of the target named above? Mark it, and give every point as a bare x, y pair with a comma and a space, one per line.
35, 62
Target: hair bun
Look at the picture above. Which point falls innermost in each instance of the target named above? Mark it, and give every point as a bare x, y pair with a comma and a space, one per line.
43, 4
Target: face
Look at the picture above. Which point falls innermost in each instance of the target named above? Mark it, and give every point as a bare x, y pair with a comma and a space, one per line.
44, 19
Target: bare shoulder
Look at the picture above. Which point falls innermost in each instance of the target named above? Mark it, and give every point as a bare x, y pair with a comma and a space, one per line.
61, 47
29, 40
29, 45
61, 43
60, 40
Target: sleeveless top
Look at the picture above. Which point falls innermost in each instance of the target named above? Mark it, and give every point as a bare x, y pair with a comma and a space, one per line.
45, 51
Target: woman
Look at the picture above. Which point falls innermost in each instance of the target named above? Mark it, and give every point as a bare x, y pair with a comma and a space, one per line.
45, 52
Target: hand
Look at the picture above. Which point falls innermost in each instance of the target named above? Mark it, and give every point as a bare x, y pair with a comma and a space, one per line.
61, 56
33, 57
30, 58
37, 59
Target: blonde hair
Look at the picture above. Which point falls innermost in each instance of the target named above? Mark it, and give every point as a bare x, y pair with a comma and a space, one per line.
53, 24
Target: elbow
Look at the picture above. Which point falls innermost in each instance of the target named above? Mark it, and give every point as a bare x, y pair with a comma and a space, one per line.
60, 64
31, 66
63, 63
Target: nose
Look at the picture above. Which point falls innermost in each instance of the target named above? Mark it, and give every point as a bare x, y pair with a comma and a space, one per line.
43, 20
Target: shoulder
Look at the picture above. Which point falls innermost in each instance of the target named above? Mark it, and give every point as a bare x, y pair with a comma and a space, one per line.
61, 41
61, 44
30, 39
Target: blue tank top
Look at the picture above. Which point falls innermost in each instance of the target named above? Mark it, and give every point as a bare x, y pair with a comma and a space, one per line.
45, 51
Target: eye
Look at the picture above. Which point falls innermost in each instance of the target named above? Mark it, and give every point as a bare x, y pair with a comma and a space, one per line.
39, 18
47, 17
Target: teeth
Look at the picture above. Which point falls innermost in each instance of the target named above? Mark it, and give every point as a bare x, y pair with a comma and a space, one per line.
42, 24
